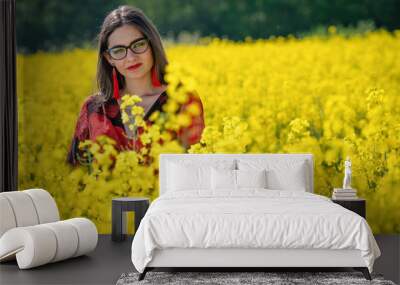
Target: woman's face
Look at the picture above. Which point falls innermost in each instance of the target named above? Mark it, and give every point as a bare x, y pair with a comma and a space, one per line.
125, 35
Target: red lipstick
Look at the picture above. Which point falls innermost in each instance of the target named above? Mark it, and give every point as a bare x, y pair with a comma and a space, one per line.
135, 66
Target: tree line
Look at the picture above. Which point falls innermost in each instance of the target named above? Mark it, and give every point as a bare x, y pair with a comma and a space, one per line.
54, 25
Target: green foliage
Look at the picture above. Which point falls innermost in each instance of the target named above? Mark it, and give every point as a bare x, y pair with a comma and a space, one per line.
55, 25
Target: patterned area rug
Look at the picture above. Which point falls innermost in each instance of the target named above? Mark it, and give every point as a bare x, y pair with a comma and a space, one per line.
225, 278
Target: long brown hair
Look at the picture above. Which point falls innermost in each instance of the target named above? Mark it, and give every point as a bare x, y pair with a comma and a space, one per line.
132, 16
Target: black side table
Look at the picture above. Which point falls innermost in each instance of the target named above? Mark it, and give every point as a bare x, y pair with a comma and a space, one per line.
119, 208
356, 205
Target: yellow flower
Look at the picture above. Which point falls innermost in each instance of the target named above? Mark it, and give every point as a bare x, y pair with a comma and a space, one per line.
184, 120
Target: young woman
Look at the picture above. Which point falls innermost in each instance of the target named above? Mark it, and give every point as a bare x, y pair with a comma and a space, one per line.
131, 60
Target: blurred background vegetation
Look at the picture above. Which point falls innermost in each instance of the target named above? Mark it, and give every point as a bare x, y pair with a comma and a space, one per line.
52, 25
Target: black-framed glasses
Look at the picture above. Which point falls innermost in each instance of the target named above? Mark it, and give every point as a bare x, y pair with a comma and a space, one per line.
138, 46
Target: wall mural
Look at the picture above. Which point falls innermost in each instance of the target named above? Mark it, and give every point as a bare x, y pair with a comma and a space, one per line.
330, 95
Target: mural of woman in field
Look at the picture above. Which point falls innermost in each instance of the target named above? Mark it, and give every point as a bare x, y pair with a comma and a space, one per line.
131, 61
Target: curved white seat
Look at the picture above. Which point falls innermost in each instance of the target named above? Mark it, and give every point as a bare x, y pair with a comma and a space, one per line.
31, 232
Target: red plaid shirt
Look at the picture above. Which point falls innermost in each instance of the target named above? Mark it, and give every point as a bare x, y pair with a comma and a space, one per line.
95, 120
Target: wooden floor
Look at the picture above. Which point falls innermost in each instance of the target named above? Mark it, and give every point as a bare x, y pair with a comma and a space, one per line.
111, 259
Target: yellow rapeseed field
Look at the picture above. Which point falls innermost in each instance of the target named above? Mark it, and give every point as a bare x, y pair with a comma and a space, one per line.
333, 97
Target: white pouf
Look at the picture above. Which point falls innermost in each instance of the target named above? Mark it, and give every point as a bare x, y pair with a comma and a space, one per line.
31, 232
